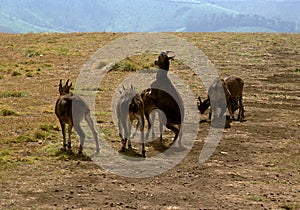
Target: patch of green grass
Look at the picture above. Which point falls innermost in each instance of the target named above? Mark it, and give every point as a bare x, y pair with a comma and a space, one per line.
4, 153
101, 113
8, 94
8, 158
106, 131
147, 66
33, 53
63, 155
24, 138
4, 156
62, 51
124, 66
8, 112
11, 157
291, 206
53, 148
256, 198
45, 66
46, 131
40, 135
48, 127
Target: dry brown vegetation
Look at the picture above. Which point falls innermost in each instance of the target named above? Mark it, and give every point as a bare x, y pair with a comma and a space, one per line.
256, 164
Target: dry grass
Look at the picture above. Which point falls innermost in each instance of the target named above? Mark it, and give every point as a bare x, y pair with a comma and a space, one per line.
256, 165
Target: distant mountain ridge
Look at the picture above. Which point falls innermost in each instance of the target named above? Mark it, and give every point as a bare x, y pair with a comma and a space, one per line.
23, 16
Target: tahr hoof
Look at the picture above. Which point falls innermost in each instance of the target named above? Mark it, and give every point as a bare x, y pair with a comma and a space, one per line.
123, 149
80, 152
241, 119
97, 151
144, 153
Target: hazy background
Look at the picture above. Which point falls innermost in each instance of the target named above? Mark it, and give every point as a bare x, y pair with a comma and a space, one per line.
23, 16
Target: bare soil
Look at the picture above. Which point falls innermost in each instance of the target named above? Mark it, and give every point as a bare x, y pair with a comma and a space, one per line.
255, 166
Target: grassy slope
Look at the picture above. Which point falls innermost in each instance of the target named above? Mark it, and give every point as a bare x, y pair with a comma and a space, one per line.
32, 64
286, 10
29, 59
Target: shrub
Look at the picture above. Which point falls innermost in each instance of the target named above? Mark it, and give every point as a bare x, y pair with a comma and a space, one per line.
124, 66
24, 138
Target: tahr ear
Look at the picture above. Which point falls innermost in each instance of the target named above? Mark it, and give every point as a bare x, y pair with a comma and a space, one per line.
60, 87
67, 82
199, 100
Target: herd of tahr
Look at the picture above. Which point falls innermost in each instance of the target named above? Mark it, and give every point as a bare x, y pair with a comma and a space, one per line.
223, 94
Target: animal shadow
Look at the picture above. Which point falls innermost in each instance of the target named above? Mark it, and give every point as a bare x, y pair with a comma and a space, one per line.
218, 123
130, 152
70, 155
163, 146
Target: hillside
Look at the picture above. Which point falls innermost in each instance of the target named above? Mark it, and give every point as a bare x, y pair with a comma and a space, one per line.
147, 16
286, 10
254, 166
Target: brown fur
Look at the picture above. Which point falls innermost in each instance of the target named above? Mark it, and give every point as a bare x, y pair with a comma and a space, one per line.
163, 96
150, 110
235, 85
71, 109
233, 89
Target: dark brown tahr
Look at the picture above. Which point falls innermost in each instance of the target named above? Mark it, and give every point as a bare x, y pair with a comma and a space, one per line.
163, 95
233, 90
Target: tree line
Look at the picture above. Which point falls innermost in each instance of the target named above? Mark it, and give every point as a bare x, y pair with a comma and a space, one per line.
216, 22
